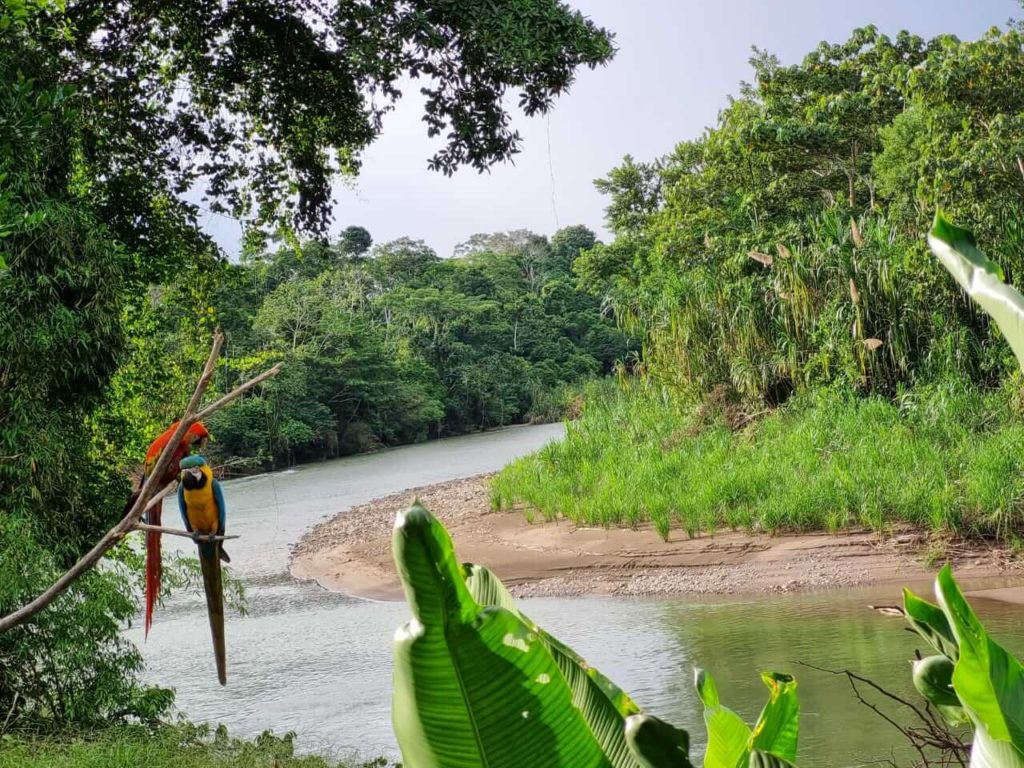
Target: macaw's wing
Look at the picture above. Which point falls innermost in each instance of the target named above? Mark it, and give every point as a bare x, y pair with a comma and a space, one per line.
158, 445
183, 508
218, 496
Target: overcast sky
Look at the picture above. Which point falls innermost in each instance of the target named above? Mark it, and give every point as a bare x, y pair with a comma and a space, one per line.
677, 62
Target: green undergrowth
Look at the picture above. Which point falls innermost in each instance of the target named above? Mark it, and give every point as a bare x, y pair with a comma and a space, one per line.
941, 457
185, 746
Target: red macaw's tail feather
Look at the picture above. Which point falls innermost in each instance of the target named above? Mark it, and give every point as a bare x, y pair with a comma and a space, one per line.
209, 560
154, 566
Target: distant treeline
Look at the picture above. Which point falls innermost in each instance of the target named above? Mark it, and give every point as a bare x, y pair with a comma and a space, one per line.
385, 344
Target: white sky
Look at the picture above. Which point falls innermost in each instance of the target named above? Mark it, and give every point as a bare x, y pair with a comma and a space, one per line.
677, 62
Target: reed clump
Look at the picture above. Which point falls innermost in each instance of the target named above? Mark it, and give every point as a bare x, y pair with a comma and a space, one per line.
943, 457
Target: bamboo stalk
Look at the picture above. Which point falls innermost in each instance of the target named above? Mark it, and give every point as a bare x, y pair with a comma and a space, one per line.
146, 498
201, 537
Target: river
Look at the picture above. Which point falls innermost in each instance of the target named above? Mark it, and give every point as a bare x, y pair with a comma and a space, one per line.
319, 663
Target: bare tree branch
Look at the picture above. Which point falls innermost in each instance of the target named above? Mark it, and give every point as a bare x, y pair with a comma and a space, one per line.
932, 733
145, 499
241, 389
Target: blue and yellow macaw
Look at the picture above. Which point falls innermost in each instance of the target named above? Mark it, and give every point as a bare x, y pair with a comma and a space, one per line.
201, 502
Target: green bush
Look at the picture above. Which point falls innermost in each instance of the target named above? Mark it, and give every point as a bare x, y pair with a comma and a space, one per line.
182, 746
71, 667
944, 457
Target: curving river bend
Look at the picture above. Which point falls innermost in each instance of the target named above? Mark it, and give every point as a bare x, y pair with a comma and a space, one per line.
319, 663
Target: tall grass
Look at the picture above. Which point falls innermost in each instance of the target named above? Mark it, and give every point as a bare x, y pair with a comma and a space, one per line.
166, 747
942, 457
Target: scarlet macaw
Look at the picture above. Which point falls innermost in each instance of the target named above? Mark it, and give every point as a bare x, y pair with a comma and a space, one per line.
201, 502
154, 568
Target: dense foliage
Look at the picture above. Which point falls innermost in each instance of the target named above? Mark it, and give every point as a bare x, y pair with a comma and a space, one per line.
780, 260
386, 345
111, 113
784, 249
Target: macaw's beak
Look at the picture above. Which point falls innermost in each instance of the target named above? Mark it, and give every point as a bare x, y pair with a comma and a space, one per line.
195, 472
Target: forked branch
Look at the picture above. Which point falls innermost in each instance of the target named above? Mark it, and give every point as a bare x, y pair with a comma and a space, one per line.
935, 742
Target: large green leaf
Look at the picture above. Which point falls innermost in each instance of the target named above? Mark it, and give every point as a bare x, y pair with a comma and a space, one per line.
603, 704
933, 679
988, 681
777, 727
474, 686
986, 752
728, 735
488, 589
930, 623
657, 744
982, 278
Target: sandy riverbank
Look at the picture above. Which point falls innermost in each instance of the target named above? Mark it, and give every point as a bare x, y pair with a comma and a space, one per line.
352, 553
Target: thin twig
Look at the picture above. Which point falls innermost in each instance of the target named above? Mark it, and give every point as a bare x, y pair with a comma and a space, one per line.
10, 712
934, 732
145, 498
241, 389
195, 536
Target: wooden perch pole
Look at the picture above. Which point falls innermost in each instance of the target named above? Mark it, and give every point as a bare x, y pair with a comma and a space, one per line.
146, 498
202, 537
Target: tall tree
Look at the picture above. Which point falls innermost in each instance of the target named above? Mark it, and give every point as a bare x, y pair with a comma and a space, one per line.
566, 246
114, 114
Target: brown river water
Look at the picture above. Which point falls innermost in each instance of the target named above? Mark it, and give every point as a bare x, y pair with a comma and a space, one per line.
319, 663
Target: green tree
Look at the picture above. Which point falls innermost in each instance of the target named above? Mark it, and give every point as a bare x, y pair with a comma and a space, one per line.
354, 241
783, 249
111, 113
566, 246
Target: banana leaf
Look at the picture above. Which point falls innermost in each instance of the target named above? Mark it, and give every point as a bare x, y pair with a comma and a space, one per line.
732, 743
603, 704
988, 680
728, 735
931, 623
657, 744
986, 752
776, 730
474, 686
933, 679
982, 278
767, 760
